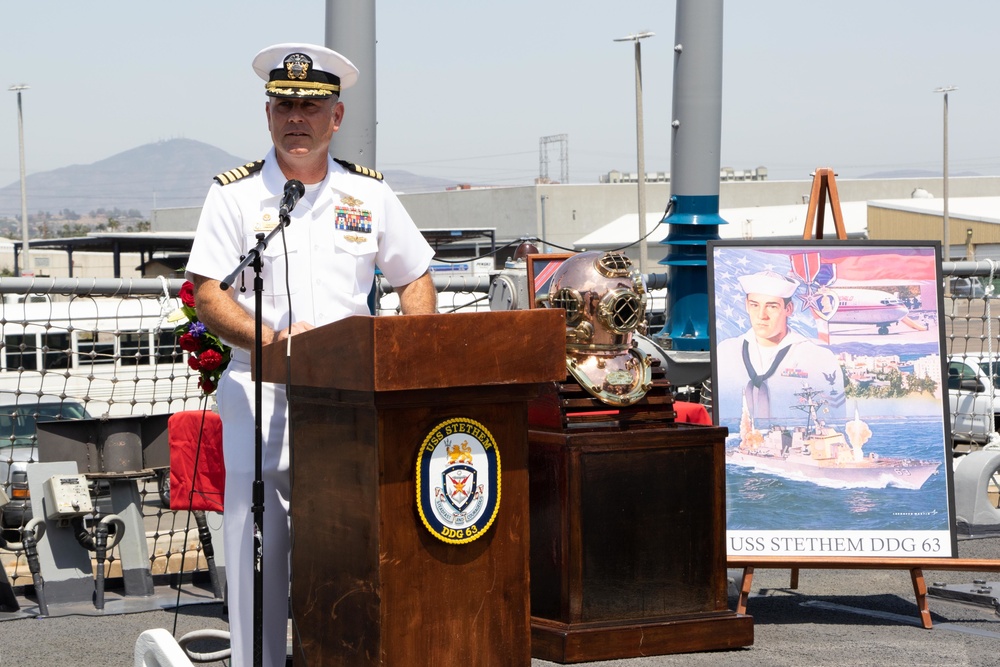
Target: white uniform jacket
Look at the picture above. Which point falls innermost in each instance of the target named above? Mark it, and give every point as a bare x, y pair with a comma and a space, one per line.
338, 233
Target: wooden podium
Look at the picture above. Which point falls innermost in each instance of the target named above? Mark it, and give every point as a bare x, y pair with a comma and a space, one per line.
371, 585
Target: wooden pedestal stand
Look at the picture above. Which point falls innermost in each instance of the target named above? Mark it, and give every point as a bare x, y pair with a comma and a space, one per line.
370, 584
825, 186
627, 531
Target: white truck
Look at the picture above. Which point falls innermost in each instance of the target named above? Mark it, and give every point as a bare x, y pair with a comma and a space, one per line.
973, 398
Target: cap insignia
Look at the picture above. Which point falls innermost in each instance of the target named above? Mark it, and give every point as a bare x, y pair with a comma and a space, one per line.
297, 65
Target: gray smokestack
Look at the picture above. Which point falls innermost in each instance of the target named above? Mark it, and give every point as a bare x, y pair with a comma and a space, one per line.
694, 171
350, 30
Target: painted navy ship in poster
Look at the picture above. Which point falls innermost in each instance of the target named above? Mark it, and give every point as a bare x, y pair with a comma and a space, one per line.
817, 452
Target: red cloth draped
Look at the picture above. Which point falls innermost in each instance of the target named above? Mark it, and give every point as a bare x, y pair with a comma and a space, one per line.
208, 479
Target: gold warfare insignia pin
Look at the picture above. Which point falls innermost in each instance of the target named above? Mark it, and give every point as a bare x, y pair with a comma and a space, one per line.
350, 201
354, 238
297, 66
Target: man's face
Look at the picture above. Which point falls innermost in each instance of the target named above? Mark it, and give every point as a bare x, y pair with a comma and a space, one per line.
303, 126
768, 317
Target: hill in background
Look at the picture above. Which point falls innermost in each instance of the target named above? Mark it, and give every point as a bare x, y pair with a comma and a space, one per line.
165, 174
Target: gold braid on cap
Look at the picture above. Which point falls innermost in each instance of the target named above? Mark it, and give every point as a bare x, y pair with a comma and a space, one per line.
301, 88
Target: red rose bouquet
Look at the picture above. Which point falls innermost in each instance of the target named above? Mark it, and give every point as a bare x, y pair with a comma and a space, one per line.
208, 354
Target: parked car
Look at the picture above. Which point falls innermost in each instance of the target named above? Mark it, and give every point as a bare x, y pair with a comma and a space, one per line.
18, 440
973, 397
967, 287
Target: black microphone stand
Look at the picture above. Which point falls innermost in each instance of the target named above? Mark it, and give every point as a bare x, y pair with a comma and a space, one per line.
254, 256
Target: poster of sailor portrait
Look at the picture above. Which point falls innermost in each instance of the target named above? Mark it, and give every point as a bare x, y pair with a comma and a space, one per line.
827, 366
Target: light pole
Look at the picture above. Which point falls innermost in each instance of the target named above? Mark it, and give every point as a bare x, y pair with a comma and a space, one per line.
640, 152
24, 197
544, 236
947, 241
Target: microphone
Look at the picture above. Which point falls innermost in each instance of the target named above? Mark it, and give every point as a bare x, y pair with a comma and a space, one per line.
293, 192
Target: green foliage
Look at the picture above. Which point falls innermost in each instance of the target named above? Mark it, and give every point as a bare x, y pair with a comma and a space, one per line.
891, 383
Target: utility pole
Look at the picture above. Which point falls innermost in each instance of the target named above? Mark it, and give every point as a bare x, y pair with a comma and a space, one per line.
944, 217
640, 148
25, 264
543, 157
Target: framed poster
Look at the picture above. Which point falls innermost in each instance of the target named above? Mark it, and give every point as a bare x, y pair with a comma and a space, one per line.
828, 372
540, 271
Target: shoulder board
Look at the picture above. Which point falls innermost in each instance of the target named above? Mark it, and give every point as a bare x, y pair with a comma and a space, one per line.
358, 169
227, 177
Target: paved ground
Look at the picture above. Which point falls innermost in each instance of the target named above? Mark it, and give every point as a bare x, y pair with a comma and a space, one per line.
836, 617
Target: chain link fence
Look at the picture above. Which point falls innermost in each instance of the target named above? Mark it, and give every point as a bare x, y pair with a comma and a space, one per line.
972, 340
72, 349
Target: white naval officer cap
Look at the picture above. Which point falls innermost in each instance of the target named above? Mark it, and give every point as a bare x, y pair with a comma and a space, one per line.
304, 70
770, 283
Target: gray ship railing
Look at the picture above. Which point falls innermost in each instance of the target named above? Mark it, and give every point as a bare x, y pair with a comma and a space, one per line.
971, 320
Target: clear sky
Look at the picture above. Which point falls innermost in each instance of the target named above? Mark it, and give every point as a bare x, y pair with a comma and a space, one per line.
467, 88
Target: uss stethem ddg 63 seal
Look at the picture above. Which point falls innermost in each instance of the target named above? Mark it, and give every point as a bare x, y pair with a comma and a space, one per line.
458, 480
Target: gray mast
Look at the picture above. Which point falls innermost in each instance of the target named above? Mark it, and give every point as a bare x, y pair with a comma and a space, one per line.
694, 171
350, 30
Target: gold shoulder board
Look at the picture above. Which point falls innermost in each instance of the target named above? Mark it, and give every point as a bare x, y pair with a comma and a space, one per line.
358, 169
233, 175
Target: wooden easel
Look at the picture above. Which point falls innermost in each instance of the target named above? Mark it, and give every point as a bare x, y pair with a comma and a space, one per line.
916, 566
824, 186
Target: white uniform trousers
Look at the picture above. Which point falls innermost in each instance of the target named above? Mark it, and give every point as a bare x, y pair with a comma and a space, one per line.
236, 408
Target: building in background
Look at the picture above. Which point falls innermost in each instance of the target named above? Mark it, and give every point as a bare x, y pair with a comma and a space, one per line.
583, 216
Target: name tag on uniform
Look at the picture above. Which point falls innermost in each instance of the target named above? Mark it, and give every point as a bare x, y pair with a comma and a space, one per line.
265, 224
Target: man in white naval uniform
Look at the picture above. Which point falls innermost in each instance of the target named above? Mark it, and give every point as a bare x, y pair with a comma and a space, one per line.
320, 270
770, 363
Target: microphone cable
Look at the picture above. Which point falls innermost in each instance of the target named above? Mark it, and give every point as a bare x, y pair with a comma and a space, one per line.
291, 444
